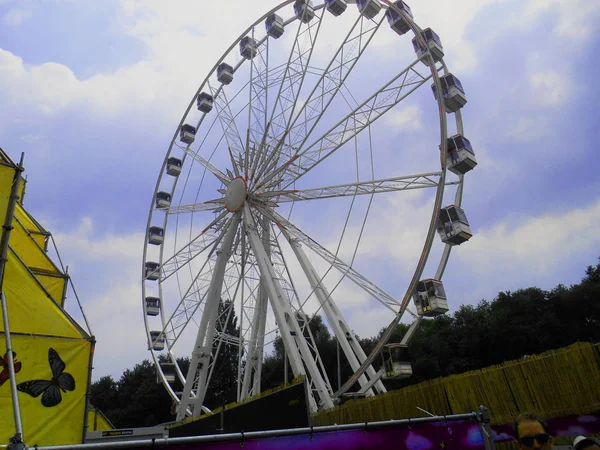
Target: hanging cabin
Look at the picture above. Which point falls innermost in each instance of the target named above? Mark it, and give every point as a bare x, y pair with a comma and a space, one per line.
430, 298
397, 362
369, 8
248, 47
204, 102
453, 93
305, 12
453, 226
187, 133
151, 271
152, 306
461, 155
274, 26
336, 7
157, 341
224, 73
155, 235
396, 20
432, 43
174, 166
163, 199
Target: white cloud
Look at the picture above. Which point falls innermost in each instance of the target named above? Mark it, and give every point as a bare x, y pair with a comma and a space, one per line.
532, 247
405, 119
106, 271
576, 18
529, 129
549, 88
15, 17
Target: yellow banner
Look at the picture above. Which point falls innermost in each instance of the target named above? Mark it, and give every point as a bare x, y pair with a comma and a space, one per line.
29, 249
52, 382
97, 421
55, 285
30, 309
36, 231
7, 175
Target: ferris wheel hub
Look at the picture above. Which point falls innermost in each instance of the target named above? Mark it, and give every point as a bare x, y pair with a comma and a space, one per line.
236, 194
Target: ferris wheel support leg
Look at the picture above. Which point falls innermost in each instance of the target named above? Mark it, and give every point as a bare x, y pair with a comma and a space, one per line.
251, 384
201, 355
352, 349
295, 344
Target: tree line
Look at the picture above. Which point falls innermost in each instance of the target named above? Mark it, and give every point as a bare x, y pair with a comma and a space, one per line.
524, 322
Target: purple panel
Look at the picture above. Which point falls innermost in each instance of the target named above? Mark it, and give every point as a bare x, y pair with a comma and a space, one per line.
451, 436
587, 425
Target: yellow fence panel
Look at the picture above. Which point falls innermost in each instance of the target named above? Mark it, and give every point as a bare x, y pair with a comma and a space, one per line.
554, 384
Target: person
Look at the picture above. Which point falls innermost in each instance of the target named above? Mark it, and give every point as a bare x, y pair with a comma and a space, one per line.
532, 431
586, 443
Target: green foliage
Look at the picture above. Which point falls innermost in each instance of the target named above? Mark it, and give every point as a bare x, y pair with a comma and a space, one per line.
514, 324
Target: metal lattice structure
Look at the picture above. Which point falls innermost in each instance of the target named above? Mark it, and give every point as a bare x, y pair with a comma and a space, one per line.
289, 105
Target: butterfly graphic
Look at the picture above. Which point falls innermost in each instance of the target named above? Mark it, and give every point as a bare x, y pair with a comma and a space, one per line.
5, 375
61, 381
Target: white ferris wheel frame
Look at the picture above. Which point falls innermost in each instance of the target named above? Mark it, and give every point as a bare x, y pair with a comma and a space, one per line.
281, 176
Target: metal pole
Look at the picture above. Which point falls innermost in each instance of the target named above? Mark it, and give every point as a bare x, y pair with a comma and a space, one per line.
339, 369
10, 213
17, 440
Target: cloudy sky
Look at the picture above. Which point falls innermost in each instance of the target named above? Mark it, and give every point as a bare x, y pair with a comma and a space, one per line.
93, 93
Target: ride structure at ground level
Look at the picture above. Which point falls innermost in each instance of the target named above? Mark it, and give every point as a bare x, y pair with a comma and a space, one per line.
276, 153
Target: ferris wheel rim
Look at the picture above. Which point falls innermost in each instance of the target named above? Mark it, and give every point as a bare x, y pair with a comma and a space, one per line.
441, 187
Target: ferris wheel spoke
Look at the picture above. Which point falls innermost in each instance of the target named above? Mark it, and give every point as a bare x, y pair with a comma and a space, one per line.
257, 105
331, 80
404, 183
209, 166
348, 271
229, 126
282, 270
208, 238
289, 90
344, 334
298, 352
201, 355
395, 91
210, 205
190, 303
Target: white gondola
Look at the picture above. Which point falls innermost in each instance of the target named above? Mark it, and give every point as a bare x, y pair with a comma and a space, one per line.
336, 7
155, 235
157, 341
204, 102
304, 10
398, 364
187, 133
432, 42
430, 298
369, 8
248, 47
163, 199
396, 20
152, 306
453, 93
274, 26
461, 155
152, 271
225, 73
174, 166
453, 226
168, 370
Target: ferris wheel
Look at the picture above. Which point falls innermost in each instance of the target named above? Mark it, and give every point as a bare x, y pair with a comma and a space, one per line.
287, 186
